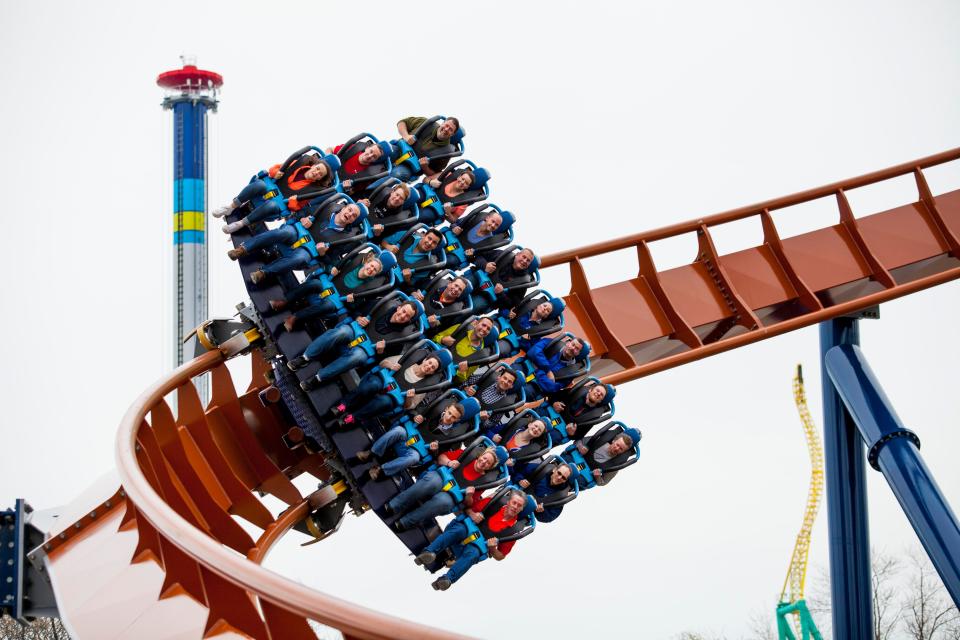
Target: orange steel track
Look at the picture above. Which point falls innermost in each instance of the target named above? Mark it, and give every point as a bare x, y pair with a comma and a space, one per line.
164, 555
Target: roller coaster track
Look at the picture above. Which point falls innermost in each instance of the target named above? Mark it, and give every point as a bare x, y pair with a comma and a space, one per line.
162, 553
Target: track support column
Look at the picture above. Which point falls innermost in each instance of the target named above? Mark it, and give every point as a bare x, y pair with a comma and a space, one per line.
844, 460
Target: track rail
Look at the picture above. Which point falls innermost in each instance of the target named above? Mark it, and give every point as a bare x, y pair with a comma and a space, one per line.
661, 319
180, 491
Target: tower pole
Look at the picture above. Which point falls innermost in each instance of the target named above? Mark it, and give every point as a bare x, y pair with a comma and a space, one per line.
189, 93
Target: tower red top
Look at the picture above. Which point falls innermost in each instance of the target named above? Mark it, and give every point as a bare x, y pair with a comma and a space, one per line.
189, 77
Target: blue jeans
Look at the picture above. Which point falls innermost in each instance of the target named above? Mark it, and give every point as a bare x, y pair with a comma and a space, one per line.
429, 486
289, 260
466, 556
406, 456
252, 190
330, 340
268, 210
285, 235
366, 401
402, 173
315, 307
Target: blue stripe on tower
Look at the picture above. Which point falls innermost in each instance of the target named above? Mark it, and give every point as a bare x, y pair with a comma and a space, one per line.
188, 195
190, 236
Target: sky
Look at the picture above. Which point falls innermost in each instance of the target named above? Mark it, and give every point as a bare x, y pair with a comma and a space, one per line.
595, 120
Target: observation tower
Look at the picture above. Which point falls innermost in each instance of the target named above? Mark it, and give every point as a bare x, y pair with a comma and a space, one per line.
189, 93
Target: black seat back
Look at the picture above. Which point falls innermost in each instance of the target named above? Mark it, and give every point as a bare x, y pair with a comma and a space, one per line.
578, 367
458, 432
537, 447
525, 521
410, 331
595, 415
415, 353
492, 478
436, 259
407, 214
451, 173
489, 352
463, 305
606, 434
527, 305
474, 217
358, 144
379, 283
513, 398
564, 493
529, 278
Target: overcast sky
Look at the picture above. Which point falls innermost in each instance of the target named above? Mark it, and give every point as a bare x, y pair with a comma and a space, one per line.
595, 119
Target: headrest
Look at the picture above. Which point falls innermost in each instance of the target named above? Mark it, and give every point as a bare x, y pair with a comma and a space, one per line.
508, 220
518, 377
414, 197
480, 178
386, 147
388, 260
558, 306
585, 352
332, 161
458, 135
529, 508
364, 212
611, 393
443, 356
502, 454
471, 407
634, 434
535, 264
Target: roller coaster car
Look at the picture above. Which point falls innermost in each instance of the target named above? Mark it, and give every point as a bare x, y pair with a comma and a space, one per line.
592, 416
461, 307
433, 261
395, 383
537, 448
511, 400
580, 462
564, 494
380, 169
341, 242
409, 155
489, 352
405, 217
510, 330
484, 283
477, 534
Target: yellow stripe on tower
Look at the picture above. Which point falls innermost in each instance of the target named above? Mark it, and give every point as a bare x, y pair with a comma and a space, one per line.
189, 221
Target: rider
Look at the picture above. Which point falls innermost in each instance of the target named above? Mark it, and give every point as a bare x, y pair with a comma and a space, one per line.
468, 555
436, 137
475, 339
606, 452
545, 486
547, 365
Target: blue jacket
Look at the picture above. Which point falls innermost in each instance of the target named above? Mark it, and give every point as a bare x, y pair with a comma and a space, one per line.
544, 364
541, 489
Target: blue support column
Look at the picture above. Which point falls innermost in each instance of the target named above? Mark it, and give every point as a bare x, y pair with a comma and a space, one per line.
894, 451
850, 585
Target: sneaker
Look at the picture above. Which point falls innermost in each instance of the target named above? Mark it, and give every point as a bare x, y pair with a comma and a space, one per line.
425, 558
289, 322
237, 253
364, 455
347, 420
310, 384
441, 584
374, 472
278, 305
258, 276
233, 227
297, 363
338, 409
387, 510
222, 211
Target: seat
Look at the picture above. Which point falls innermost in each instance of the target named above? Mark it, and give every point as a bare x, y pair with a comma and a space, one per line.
592, 416
461, 307
436, 259
379, 283
478, 534
552, 324
500, 238
604, 435
495, 477
489, 352
452, 150
564, 494
296, 160
341, 242
414, 354
580, 365
529, 278
537, 447
479, 189
467, 428
512, 400
405, 217
373, 172
368, 336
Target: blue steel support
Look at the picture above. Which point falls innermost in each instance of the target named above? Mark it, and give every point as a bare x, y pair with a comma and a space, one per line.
894, 451
846, 500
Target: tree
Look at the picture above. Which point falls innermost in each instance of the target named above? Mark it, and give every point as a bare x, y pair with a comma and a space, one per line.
927, 614
887, 611
39, 629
